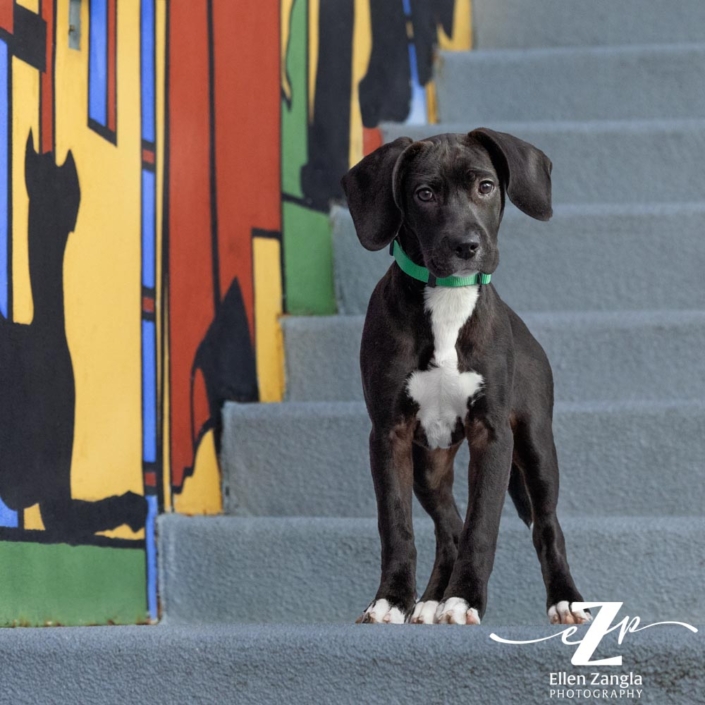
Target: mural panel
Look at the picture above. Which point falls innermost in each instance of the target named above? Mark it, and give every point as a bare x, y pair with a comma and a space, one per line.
166, 171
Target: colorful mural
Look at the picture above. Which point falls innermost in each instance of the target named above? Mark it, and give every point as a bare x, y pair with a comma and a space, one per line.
166, 171
75, 494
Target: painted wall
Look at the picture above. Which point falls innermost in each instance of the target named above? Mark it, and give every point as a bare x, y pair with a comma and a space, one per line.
166, 170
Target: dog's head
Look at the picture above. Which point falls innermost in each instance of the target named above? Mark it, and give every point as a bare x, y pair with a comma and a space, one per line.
448, 192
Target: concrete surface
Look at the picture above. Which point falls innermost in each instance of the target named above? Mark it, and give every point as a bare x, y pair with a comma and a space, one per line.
633, 355
500, 24
310, 570
336, 665
622, 458
588, 257
602, 162
585, 83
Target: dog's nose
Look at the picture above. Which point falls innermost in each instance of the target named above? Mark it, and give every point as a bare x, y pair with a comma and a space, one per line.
465, 249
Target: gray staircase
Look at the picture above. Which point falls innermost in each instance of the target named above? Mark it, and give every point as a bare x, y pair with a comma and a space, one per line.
601, 255
612, 287
326, 664
610, 355
586, 83
315, 569
613, 459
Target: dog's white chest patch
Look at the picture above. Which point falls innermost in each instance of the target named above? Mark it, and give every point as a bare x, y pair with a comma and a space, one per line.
442, 392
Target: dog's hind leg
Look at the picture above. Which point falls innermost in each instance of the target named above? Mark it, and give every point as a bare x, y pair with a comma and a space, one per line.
535, 454
433, 486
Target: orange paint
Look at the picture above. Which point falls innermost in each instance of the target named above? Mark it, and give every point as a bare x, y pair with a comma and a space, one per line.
47, 81
112, 68
371, 139
190, 285
147, 304
7, 13
247, 132
201, 409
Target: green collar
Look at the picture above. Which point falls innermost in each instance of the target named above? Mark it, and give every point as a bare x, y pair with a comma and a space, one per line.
423, 275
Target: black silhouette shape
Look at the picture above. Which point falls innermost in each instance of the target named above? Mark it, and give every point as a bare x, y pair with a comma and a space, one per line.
226, 360
37, 390
385, 91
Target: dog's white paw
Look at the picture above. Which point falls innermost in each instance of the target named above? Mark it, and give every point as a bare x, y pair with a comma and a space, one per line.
561, 613
424, 612
455, 610
381, 612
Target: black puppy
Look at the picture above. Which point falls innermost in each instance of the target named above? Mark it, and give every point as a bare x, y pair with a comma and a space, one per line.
444, 359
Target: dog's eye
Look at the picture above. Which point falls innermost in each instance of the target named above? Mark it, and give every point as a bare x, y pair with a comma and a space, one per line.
485, 187
424, 194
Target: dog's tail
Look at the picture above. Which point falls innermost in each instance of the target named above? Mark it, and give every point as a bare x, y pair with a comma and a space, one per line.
520, 495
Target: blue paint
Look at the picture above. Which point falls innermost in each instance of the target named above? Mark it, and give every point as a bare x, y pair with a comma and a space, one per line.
148, 74
8, 518
417, 112
4, 184
149, 273
151, 545
149, 392
98, 62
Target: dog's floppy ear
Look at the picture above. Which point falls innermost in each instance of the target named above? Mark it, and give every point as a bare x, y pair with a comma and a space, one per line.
525, 170
369, 189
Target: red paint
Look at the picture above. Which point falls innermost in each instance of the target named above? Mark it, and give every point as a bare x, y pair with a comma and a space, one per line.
201, 408
112, 65
7, 14
148, 304
148, 156
371, 140
247, 130
190, 287
247, 176
46, 119
150, 478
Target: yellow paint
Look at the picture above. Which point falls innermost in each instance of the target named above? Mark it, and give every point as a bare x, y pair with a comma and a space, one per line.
266, 255
33, 519
431, 103
462, 29
314, 12
32, 5
362, 48
161, 302
166, 428
285, 9
201, 493
102, 268
25, 117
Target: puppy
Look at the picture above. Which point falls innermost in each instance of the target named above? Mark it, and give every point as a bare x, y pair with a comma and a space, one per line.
445, 360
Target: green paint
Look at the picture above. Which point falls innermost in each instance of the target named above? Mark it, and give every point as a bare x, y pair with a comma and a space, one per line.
308, 258
295, 114
308, 254
71, 585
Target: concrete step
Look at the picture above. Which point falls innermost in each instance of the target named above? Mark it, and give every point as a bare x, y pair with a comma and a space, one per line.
311, 459
602, 162
654, 81
344, 665
633, 355
502, 24
588, 257
304, 570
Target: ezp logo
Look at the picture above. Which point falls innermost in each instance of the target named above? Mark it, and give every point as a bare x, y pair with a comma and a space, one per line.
598, 628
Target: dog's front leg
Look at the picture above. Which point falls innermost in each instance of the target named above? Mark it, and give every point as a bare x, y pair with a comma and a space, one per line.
393, 476
465, 597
